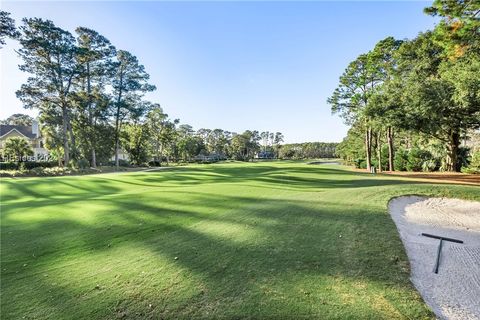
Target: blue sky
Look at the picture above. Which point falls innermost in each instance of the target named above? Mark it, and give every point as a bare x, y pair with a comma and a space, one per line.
233, 65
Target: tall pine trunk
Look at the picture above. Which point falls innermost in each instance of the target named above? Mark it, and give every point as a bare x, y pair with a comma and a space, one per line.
66, 147
379, 151
160, 153
391, 152
368, 147
452, 151
72, 138
94, 158
117, 123
117, 144
90, 118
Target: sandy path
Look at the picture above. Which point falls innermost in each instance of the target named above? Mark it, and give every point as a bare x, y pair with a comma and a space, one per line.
453, 293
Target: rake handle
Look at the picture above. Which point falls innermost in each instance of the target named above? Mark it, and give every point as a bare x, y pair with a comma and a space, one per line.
441, 238
439, 250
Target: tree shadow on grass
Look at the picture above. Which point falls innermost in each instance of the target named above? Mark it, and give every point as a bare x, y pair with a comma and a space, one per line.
272, 177
59, 188
240, 257
281, 178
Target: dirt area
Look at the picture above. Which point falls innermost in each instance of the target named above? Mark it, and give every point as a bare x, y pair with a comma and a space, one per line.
436, 177
441, 177
326, 162
453, 293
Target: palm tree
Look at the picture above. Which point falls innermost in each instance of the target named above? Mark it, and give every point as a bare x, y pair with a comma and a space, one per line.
17, 148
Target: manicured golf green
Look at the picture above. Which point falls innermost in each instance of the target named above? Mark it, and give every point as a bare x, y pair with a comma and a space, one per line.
233, 240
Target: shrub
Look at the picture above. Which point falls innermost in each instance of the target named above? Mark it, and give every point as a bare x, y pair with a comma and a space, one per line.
154, 163
38, 171
463, 157
13, 173
416, 158
83, 164
72, 164
429, 165
124, 163
45, 172
475, 162
16, 148
474, 166
34, 164
57, 171
360, 163
27, 165
8, 165
121, 163
400, 160
384, 159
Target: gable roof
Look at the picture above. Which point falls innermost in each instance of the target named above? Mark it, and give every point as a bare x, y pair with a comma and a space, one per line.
25, 130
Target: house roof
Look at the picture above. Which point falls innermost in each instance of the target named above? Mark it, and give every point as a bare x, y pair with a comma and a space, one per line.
25, 130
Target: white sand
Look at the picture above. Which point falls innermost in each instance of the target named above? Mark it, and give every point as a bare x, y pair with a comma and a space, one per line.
453, 293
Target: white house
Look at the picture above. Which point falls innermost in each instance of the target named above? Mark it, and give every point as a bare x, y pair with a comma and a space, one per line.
30, 133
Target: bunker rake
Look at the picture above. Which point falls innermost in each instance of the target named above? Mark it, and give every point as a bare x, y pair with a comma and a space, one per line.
439, 250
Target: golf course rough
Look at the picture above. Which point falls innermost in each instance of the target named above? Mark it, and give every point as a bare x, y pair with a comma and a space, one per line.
233, 240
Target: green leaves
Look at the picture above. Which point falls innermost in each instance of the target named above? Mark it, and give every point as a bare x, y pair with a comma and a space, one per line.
362, 79
16, 148
352, 93
48, 53
459, 30
18, 119
429, 84
7, 27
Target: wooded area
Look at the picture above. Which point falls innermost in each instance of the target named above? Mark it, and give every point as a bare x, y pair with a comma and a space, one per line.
410, 103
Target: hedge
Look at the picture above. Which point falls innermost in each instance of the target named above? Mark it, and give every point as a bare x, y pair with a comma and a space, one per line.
28, 165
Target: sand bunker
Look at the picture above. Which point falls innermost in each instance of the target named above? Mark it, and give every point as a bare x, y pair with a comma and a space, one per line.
453, 293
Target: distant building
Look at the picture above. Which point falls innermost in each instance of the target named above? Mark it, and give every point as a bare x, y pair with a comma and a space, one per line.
122, 155
212, 157
265, 155
30, 133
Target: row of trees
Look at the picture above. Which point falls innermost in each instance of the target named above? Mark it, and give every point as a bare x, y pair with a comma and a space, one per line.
90, 100
415, 93
168, 140
308, 150
154, 137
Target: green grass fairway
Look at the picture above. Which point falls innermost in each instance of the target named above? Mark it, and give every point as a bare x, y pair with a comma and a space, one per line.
235, 240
